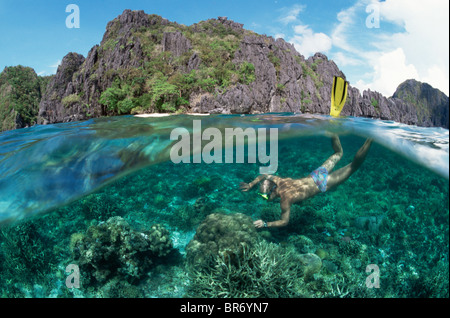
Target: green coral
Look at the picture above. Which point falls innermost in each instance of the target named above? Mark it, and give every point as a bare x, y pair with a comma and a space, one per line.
26, 255
200, 186
113, 248
99, 206
191, 215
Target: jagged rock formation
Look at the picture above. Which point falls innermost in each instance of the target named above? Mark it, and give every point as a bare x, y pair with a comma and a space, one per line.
51, 108
372, 104
148, 64
413, 103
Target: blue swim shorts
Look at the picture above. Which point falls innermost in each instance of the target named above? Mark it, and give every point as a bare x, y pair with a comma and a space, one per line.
320, 177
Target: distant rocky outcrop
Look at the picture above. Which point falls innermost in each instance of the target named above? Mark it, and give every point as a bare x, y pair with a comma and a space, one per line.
413, 103
372, 104
431, 104
21, 90
147, 64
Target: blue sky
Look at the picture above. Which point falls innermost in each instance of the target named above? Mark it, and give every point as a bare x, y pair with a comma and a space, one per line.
376, 44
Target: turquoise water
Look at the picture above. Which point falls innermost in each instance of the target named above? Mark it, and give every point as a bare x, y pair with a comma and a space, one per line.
63, 187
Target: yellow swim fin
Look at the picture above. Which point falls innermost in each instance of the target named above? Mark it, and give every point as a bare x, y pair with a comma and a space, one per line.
338, 95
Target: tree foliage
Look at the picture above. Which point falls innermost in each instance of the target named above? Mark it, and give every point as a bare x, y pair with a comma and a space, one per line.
20, 93
163, 84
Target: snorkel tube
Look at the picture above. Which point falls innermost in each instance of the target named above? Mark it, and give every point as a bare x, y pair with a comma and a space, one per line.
264, 195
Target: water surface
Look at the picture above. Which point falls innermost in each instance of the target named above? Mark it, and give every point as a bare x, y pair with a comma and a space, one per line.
59, 179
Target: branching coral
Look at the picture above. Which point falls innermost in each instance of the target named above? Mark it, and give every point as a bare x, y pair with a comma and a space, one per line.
264, 270
227, 258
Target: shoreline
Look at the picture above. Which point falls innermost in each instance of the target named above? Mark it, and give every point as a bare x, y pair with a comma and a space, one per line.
169, 114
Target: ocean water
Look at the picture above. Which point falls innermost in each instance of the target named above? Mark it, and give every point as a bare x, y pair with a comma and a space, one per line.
382, 233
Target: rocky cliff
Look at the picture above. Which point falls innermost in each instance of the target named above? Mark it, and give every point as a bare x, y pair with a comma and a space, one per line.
147, 64
21, 90
432, 106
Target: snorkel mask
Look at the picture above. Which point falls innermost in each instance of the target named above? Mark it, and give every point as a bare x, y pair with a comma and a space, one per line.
266, 188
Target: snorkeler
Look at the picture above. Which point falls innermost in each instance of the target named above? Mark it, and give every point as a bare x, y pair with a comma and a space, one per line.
322, 179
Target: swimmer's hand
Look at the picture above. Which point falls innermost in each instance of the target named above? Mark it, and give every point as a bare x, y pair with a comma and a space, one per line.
259, 224
244, 186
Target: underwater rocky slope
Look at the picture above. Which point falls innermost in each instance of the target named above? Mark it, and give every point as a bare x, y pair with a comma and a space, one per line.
146, 63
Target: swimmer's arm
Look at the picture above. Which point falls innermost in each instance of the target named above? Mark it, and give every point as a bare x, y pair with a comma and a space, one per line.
247, 186
257, 180
285, 215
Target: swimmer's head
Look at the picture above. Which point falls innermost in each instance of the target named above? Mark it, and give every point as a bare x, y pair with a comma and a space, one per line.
265, 189
266, 186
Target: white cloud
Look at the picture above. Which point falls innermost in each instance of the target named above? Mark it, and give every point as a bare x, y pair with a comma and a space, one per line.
51, 69
412, 41
390, 69
342, 59
307, 42
290, 15
426, 37
437, 77
345, 27
279, 36
420, 50
56, 64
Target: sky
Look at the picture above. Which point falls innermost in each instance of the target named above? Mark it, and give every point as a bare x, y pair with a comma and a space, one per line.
377, 44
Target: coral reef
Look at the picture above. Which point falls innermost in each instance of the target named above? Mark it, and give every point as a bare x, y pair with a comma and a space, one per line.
228, 258
263, 270
302, 243
113, 248
410, 245
311, 264
26, 255
371, 223
190, 216
221, 234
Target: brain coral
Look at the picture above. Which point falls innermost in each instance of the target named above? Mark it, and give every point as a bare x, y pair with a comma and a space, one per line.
221, 234
113, 248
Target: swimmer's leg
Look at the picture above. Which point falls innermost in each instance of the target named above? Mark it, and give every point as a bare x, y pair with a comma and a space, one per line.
338, 153
340, 175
